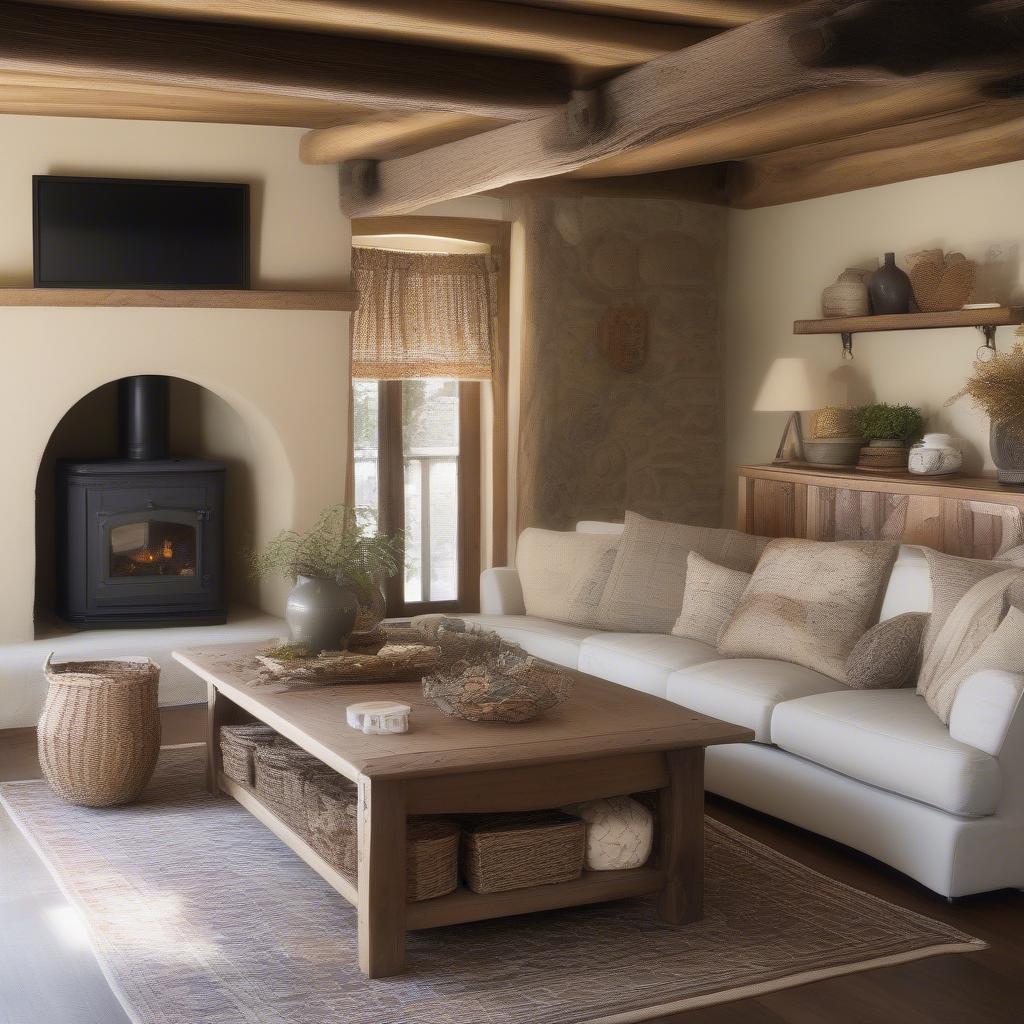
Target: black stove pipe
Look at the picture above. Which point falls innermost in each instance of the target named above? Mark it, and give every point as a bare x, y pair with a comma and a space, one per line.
143, 417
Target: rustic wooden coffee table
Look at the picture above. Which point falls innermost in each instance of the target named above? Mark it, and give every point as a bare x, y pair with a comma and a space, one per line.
605, 740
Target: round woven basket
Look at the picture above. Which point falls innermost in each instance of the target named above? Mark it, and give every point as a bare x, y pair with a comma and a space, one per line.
99, 734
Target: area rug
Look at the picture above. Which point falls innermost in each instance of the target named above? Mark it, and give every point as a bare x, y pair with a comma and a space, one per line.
199, 914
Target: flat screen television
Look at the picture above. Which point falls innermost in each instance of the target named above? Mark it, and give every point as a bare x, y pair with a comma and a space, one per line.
135, 233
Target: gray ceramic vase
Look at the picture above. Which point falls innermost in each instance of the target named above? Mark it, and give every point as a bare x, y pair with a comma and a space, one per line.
321, 614
1007, 454
889, 288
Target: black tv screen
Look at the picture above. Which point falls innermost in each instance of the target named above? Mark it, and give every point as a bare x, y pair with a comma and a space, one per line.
133, 233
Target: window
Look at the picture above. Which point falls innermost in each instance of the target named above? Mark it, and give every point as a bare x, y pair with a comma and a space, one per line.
417, 455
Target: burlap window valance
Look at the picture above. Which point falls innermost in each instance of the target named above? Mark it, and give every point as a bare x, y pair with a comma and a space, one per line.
423, 315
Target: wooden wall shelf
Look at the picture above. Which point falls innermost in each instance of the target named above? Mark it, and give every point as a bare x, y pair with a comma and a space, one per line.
986, 320
338, 301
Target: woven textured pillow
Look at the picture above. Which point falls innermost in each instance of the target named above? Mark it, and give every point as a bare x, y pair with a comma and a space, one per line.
709, 600
887, 656
1002, 649
809, 602
564, 574
969, 599
648, 579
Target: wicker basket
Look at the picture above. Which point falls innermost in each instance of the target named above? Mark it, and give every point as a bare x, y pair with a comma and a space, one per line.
514, 851
99, 734
432, 858
280, 773
331, 822
237, 744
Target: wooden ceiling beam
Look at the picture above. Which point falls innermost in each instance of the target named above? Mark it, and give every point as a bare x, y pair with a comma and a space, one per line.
387, 137
582, 39
784, 178
74, 43
721, 13
812, 117
724, 76
23, 93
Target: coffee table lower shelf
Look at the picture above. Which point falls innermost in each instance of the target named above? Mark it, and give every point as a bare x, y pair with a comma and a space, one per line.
462, 905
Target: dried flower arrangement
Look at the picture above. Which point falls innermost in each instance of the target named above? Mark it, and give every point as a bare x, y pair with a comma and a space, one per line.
997, 387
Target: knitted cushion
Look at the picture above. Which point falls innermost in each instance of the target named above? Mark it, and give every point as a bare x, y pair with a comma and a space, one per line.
709, 600
887, 655
809, 602
648, 579
563, 574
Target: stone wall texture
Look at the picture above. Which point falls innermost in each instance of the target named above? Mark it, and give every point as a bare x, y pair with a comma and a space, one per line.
596, 440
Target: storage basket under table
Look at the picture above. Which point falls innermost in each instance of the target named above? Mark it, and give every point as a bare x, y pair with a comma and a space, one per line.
237, 744
515, 851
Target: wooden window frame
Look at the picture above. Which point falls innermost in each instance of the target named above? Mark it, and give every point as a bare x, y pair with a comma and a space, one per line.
391, 483
498, 235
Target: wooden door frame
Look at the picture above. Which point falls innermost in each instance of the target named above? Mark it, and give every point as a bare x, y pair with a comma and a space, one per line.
498, 235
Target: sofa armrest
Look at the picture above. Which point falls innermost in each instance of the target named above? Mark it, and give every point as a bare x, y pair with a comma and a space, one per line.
985, 707
500, 592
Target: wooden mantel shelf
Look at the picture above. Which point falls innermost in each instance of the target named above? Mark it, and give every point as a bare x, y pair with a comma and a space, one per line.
341, 301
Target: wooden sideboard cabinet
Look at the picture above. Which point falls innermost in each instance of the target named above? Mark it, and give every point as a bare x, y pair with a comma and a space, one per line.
973, 517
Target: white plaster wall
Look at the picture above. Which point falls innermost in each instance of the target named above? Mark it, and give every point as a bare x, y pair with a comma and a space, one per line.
780, 258
283, 374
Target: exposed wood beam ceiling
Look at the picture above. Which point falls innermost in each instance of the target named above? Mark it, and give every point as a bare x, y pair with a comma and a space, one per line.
720, 13
592, 43
415, 98
77, 43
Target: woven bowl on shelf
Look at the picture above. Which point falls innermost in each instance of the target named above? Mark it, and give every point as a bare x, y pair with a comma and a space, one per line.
512, 687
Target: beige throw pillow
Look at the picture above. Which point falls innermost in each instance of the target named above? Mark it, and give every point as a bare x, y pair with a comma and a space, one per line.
1002, 649
709, 600
564, 574
648, 578
887, 656
809, 602
970, 597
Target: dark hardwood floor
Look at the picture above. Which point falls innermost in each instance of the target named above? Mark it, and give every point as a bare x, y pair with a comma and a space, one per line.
974, 988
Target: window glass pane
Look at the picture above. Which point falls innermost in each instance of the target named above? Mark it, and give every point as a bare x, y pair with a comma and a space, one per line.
151, 547
365, 428
430, 446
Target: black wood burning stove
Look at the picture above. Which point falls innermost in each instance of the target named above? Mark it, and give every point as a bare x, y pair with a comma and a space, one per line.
140, 538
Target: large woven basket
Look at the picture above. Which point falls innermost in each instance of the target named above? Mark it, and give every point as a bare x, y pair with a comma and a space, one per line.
431, 858
99, 733
280, 773
237, 745
515, 851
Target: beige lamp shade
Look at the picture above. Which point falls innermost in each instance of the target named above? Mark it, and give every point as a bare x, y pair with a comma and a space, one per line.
790, 384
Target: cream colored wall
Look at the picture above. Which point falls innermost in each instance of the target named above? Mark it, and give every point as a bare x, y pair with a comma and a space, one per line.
780, 258
283, 374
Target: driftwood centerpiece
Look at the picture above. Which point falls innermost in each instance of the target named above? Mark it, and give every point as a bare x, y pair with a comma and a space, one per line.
392, 663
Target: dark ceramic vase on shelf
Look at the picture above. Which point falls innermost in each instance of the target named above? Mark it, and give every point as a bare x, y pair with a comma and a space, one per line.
1007, 454
889, 288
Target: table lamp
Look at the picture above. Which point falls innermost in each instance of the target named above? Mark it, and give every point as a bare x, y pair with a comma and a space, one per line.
789, 386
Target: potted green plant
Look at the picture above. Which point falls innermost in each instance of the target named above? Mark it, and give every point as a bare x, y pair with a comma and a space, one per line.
337, 566
889, 426
997, 387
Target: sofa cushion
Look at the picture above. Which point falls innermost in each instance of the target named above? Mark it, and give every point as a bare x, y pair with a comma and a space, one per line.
642, 661
711, 595
893, 740
557, 642
745, 691
910, 584
563, 575
645, 589
970, 599
887, 656
810, 602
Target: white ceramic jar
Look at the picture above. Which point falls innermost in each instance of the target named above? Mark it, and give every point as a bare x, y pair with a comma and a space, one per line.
935, 455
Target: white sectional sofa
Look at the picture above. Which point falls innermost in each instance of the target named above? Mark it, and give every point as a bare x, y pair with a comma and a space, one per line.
875, 769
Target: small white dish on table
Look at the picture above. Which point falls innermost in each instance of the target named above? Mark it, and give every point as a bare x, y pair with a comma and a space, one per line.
377, 717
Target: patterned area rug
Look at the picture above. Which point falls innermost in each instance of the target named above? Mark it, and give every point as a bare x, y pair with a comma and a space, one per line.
200, 915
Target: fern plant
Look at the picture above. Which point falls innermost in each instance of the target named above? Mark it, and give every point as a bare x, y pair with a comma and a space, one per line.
342, 544
882, 420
